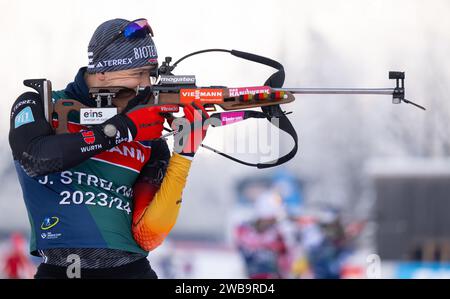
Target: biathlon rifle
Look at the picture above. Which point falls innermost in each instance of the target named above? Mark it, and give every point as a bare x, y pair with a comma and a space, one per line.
181, 90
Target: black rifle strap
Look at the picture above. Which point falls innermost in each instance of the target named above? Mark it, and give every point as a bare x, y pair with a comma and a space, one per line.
283, 124
276, 80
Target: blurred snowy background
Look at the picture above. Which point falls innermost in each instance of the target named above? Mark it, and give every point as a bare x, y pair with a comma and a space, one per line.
322, 43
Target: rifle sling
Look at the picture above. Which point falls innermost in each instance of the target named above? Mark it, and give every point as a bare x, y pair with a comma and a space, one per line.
283, 124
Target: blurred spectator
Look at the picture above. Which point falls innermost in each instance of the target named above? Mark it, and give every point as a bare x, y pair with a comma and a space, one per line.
333, 243
260, 241
16, 263
304, 234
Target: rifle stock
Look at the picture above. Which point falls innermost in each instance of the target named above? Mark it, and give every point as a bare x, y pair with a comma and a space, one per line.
226, 98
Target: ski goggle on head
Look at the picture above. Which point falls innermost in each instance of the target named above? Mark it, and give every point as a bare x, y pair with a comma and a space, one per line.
135, 29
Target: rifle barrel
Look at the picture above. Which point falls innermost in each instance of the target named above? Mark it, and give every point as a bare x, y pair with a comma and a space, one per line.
386, 91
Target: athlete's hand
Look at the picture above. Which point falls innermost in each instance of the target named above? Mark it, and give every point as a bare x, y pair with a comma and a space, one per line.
193, 129
147, 120
148, 123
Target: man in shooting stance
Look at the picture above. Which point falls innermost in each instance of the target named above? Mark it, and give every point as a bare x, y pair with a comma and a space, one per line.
105, 193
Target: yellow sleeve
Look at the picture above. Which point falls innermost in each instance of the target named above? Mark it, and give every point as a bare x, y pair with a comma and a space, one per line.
158, 218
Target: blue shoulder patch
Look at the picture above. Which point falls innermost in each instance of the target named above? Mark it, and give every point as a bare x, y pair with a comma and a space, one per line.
24, 117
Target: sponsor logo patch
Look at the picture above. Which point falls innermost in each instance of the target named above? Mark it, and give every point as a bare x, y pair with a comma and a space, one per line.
235, 92
114, 62
145, 52
170, 108
21, 103
177, 79
95, 116
231, 117
24, 117
86, 149
49, 222
88, 137
205, 95
50, 236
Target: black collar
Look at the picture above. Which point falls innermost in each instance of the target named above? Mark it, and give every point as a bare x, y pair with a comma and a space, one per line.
78, 89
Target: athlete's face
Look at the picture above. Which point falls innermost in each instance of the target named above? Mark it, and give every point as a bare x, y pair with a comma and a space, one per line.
131, 78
